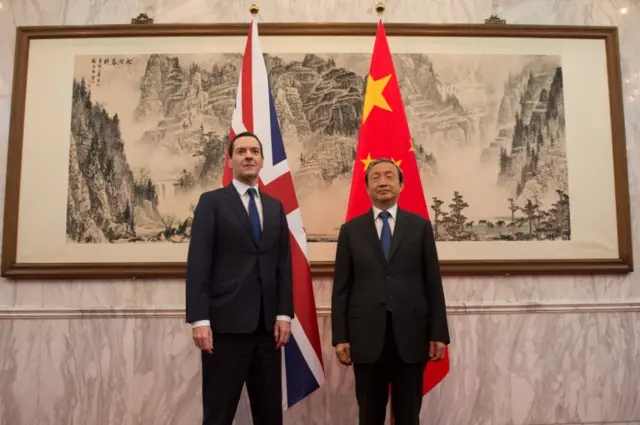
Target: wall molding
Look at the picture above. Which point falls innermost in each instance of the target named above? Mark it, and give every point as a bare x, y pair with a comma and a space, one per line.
10, 313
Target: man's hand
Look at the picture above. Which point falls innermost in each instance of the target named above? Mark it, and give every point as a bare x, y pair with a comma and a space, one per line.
343, 351
203, 338
436, 351
281, 333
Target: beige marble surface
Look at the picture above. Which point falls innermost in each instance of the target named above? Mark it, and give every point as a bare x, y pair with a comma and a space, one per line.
574, 357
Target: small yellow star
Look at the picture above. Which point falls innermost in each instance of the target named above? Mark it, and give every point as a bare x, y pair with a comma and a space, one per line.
398, 162
373, 96
367, 161
411, 149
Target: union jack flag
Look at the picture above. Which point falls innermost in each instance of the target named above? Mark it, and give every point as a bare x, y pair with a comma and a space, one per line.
302, 367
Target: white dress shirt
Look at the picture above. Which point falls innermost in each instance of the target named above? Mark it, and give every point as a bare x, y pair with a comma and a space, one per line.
393, 210
243, 191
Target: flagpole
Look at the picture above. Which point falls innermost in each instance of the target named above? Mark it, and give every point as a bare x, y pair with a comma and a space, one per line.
380, 8
254, 9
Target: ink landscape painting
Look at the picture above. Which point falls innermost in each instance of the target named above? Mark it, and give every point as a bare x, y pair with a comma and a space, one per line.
149, 132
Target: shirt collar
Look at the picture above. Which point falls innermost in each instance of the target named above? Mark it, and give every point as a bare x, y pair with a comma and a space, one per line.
393, 211
243, 187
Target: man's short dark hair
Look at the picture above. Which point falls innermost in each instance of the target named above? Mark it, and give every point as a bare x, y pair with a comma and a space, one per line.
378, 161
243, 134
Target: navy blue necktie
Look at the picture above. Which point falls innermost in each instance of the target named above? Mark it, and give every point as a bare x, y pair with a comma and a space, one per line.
254, 217
385, 234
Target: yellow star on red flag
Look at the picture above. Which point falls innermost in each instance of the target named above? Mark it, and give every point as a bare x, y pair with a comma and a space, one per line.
368, 160
373, 96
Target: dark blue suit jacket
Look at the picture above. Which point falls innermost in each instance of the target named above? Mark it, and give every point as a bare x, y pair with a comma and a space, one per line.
228, 273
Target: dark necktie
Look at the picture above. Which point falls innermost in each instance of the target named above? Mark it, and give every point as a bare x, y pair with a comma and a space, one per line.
385, 234
254, 217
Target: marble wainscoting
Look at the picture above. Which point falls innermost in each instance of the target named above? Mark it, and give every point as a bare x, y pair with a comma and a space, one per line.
510, 364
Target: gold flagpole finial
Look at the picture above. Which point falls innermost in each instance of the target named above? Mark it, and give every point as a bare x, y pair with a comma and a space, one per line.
254, 9
380, 8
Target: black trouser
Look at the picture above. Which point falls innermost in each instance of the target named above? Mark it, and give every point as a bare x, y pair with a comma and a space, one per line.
372, 386
236, 359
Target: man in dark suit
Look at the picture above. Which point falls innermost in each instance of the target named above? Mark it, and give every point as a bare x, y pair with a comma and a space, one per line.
239, 297
388, 308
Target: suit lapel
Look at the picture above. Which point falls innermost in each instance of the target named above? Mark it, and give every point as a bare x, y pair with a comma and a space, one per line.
371, 231
238, 208
398, 232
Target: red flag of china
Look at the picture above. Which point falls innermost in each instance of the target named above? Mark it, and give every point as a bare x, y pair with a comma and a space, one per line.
384, 132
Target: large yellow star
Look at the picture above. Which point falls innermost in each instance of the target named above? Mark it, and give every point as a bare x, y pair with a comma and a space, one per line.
373, 96
366, 161
398, 162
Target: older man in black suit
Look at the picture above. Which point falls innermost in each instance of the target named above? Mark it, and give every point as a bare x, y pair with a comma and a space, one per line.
388, 308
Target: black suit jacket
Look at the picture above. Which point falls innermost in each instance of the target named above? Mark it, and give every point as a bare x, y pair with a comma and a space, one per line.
410, 281
228, 272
